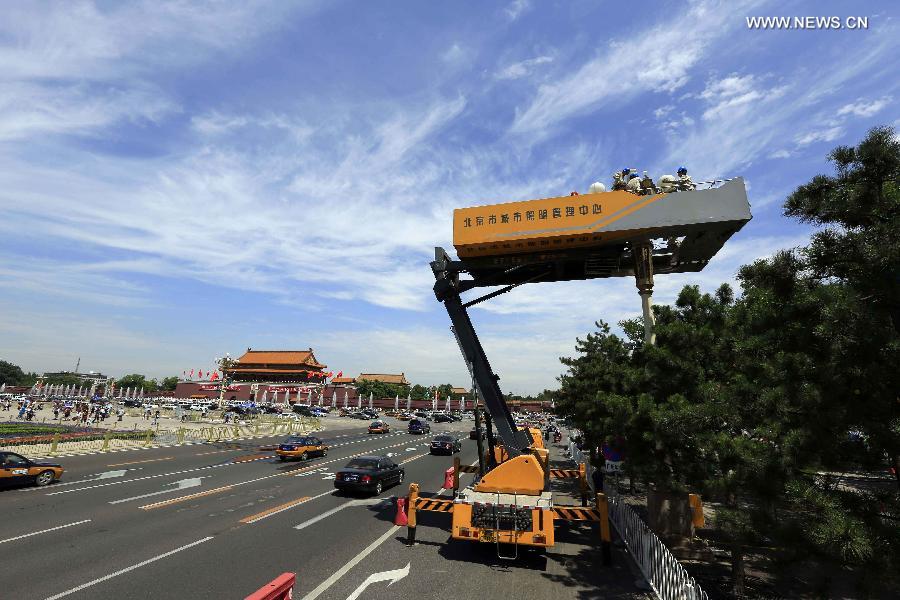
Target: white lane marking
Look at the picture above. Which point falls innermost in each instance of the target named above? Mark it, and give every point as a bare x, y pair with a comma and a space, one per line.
105, 475
343, 570
182, 484
99, 485
19, 537
275, 512
127, 569
392, 576
410, 449
328, 513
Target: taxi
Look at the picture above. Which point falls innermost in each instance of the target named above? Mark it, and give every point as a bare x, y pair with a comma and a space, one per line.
302, 447
15, 470
379, 427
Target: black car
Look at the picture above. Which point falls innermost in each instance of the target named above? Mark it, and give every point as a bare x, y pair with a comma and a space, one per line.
303, 410
445, 444
132, 403
369, 474
419, 426
442, 418
422, 414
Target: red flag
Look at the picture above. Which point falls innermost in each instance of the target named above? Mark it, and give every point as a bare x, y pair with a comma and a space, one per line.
215, 375
340, 374
200, 374
192, 373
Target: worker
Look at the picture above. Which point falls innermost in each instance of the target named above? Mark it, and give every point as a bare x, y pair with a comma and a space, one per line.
618, 182
647, 186
685, 182
634, 184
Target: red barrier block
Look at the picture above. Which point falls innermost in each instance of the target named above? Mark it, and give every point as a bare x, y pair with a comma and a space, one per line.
280, 588
448, 479
400, 518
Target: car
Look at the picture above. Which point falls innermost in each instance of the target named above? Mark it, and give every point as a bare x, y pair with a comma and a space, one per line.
15, 469
405, 416
422, 415
197, 407
372, 414
302, 447
379, 427
132, 403
302, 409
361, 416
419, 426
369, 474
445, 444
442, 418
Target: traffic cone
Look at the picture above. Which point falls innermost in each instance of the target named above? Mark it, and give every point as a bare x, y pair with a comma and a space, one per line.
448, 479
400, 517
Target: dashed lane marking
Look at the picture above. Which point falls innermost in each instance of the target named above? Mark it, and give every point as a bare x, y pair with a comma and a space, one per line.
295, 472
140, 462
280, 509
19, 537
185, 498
127, 569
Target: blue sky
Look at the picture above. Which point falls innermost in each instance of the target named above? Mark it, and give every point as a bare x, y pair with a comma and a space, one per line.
180, 180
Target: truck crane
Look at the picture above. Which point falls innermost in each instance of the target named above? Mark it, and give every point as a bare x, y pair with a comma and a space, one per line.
503, 246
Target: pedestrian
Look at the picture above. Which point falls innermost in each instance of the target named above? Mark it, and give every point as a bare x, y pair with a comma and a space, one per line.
597, 479
120, 413
55, 412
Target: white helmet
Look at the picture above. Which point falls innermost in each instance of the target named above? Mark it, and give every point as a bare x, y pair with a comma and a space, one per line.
596, 188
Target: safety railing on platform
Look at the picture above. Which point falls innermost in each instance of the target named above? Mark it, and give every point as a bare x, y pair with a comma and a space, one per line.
667, 578
117, 440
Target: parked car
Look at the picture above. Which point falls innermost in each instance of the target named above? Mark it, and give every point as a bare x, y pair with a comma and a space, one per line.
379, 427
442, 418
423, 415
419, 426
369, 474
361, 416
405, 416
445, 444
133, 403
15, 469
302, 447
302, 409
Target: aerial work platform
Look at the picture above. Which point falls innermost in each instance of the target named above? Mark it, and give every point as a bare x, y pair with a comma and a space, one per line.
595, 235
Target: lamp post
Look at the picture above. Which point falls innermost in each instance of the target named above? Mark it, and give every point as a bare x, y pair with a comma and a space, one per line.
225, 364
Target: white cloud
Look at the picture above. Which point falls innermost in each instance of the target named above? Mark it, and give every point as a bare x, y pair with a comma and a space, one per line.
734, 133
781, 154
656, 59
522, 68
662, 111
726, 94
820, 135
861, 108
454, 54
517, 8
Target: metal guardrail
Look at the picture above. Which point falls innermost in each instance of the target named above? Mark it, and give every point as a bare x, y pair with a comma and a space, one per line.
667, 578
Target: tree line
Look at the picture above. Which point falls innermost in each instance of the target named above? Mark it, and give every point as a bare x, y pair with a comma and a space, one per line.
13, 375
754, 400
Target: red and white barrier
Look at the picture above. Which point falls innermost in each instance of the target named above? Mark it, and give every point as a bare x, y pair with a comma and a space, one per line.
280, 588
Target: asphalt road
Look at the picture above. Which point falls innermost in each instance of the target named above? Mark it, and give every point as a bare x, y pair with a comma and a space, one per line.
217, 521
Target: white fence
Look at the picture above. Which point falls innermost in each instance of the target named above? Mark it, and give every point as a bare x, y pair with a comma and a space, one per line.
667, 578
